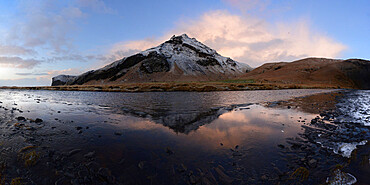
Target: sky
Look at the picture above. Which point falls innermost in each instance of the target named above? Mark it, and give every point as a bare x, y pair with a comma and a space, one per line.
44, 38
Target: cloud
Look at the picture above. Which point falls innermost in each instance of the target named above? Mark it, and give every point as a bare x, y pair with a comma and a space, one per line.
46, 25
246, 39
31, 74
247, 5
18, 62
37, 78
15, 50
43, 30
49, 25
96, 5
75, 57
24, 82
122, 49
70, 71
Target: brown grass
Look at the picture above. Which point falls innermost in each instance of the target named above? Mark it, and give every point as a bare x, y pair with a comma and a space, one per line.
178, 86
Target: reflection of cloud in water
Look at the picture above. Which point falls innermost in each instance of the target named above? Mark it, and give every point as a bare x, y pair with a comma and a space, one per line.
247, 126
235, 116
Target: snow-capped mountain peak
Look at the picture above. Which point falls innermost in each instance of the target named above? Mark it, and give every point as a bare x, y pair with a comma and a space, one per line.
181, 58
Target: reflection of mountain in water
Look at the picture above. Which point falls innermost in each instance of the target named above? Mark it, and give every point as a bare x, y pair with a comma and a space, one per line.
183, 121
184, 111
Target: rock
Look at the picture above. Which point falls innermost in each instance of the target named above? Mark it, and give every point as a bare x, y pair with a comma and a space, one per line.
92, 166
60, 181
205, 181
312, 163
182, 168
90, 155
75, 182
192, 179
122, 161
105, 174
169, 151
21, 118
70, 175
38, 120
141, 164
264, 178
222, 176
73, 152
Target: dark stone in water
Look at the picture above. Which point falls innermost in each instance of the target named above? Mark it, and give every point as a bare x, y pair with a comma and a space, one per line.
21, 118
169, 151
38, 120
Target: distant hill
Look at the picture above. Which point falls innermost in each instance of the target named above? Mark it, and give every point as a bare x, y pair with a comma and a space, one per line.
351, 73
179, 59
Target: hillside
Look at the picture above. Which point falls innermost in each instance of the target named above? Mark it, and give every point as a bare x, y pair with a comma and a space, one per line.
179, 59
351, 73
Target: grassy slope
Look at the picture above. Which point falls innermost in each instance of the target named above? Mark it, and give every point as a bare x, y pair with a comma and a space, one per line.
315, 71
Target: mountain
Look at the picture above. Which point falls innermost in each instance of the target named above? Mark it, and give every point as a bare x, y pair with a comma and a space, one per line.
351, 73
179, 59
62, 79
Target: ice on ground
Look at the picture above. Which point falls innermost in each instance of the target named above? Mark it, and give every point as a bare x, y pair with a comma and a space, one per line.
341, 178
345, 149
356, 108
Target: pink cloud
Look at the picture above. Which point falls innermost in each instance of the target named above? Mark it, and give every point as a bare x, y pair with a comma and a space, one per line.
250, 40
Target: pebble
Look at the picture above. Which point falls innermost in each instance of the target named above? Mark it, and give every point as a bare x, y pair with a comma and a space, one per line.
90, 155
21, 118
73, 152
38, 120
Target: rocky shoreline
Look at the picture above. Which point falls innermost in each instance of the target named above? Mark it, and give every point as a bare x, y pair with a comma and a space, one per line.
329, 142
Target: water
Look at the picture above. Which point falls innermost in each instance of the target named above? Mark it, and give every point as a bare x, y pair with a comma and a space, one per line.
150, 138
356, 108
